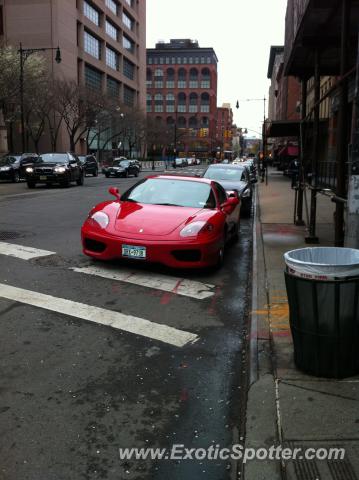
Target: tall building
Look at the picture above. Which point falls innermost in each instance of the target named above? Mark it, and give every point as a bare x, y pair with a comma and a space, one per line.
181, 83
224, 133
102, 42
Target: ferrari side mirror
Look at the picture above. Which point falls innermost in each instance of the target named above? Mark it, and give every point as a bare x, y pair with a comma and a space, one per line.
114, 191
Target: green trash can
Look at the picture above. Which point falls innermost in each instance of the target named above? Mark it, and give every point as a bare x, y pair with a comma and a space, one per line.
323, 295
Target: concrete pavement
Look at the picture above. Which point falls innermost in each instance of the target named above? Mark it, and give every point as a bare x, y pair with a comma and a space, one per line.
285, 406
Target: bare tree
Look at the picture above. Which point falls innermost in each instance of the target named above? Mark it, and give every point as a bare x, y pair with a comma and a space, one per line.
78, 107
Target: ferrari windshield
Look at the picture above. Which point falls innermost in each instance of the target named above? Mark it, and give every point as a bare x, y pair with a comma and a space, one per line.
225, 173
172, 192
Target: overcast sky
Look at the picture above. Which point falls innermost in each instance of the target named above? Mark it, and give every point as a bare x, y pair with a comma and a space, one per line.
241, 33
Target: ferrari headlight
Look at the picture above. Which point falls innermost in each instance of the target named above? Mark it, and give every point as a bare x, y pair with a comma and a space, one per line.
4, 169
194, 228
60, 169
101, 218
29, 169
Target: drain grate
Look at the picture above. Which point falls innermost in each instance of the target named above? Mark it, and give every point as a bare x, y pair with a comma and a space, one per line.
345, 469
9, 235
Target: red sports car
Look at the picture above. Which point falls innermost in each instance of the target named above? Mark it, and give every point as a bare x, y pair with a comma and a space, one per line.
178, 221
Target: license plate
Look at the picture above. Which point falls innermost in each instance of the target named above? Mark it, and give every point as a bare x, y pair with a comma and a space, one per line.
43, 177
133, 251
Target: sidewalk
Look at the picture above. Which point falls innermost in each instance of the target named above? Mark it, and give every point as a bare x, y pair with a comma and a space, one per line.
285, 406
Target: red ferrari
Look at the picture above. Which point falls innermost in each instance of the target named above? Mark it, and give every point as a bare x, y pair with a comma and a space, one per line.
178, 221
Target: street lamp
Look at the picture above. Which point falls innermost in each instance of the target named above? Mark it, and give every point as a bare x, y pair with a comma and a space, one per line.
264, 118
24, 54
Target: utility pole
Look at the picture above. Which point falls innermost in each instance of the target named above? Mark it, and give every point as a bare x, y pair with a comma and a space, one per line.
352, 224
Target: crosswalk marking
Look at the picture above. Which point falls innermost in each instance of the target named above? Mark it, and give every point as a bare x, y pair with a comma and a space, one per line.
179, 286
24, 253
120, 321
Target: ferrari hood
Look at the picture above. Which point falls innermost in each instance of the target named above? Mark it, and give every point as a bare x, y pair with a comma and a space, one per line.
155, 220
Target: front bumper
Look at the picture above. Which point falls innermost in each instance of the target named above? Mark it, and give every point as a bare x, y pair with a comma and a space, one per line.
6, 174
175, 254
47, 177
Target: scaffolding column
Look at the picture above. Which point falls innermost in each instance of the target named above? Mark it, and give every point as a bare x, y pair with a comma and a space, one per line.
299, 212
312, 238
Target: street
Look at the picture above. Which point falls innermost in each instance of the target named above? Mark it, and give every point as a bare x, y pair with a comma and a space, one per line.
80, 383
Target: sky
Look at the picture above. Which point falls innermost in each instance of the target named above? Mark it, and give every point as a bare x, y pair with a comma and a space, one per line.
240, 32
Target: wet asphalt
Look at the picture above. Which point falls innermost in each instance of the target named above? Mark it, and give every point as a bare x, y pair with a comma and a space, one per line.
72, 392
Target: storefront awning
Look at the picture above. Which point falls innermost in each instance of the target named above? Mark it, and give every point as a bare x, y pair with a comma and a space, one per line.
289, 151
283, 128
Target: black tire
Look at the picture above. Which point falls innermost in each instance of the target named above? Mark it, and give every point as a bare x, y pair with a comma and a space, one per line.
95, 173
235, 234
31, 184
136, 174
107, 175
126, 174
16, 177
80, 180
246, 208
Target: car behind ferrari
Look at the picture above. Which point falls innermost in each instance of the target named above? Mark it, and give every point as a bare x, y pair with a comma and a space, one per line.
177, 221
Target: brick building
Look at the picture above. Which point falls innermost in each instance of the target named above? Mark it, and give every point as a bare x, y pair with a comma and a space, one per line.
181, 83
102, 43
224, 131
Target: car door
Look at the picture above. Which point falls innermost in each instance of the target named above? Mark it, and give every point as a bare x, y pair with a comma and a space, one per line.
231, 218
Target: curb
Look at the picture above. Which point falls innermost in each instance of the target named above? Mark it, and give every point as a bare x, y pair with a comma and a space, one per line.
253, 345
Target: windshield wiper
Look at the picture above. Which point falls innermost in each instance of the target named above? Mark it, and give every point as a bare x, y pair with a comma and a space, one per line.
168, 204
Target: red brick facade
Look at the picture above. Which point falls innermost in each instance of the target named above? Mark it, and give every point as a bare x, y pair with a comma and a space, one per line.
182, 90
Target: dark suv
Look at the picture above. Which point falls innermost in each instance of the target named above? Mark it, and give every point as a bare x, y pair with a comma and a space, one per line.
61, 168
90, 164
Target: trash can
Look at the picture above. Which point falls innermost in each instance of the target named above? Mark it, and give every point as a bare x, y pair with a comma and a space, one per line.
323, 295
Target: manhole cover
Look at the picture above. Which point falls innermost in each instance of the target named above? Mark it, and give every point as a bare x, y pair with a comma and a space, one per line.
9, 235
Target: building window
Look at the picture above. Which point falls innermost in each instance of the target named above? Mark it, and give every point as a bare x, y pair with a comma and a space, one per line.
190, 60
150, 61
129, 2
179, 60
193, 84
159, 72
91, 13
128, 96
203, 60
148, 103
93, 78
161, 60
196, 59
92, 45
128, 44
158, 84
173, 60
113, 87
205, 84
112, 58
167, 60
158, 108
208, 59
184, 60
128, 69
205, 108
170, 84
111, 30
127, 21
111, 5
182, 84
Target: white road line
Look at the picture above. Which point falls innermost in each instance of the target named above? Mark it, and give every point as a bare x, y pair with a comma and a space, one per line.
120, 321
19, 251
179, 286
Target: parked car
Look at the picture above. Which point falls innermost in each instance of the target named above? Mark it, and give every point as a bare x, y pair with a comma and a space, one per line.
60, 168
12, 166
182, 222
234, 178
90, 164
122, 168
180, 162
136, 162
